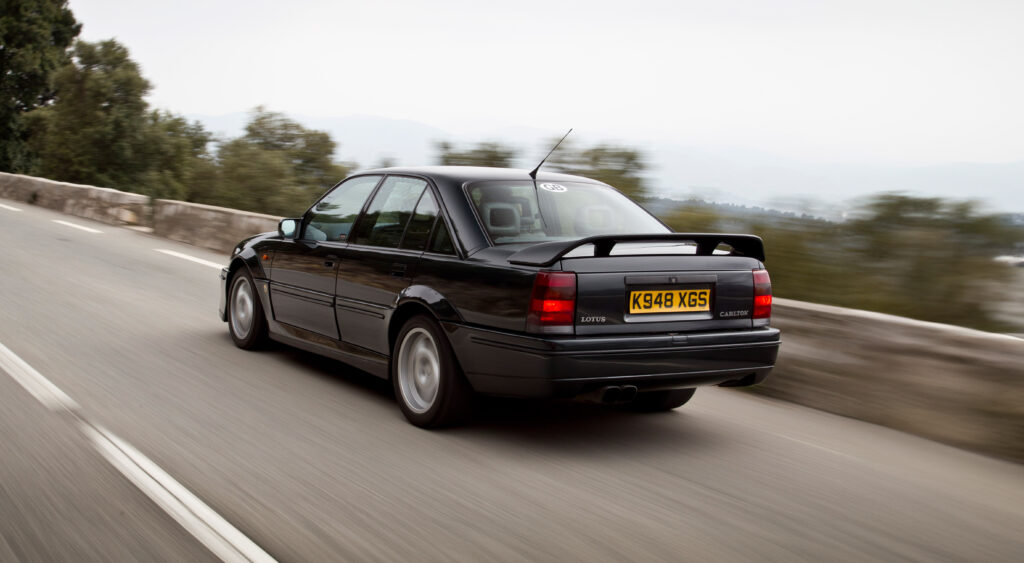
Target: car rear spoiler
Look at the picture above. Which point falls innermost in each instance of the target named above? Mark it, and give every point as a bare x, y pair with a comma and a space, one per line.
547, 253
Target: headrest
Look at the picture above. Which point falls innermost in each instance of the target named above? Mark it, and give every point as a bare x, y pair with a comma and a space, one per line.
500, 218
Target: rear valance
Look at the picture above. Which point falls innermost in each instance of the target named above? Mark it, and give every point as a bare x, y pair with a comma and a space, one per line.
547, 253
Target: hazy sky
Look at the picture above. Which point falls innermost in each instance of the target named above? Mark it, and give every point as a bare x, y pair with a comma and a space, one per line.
894, 81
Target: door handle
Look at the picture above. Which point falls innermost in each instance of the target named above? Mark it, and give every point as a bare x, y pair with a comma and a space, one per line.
329, 260
398, 269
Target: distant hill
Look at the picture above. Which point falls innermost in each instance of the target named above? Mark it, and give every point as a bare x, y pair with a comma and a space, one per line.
754, 178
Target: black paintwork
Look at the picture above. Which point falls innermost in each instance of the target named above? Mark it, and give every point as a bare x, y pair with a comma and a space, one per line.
348, 301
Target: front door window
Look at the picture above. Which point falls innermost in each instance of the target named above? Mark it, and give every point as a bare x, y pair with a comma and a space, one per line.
332, 217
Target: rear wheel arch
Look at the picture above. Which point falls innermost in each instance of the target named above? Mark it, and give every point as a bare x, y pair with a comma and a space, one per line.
419, 299
402, 314
428, 383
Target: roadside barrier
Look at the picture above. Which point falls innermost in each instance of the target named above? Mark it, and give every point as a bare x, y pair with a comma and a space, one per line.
215, 228
951, 384
99, 204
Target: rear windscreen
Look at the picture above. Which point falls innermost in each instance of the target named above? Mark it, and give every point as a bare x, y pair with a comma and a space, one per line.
513, 211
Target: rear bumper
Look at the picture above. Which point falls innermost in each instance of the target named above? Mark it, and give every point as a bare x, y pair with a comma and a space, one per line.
499, 363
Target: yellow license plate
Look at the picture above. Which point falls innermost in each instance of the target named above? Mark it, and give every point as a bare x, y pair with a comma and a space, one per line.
674, 301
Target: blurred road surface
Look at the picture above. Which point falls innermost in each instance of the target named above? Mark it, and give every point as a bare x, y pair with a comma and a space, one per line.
313, 461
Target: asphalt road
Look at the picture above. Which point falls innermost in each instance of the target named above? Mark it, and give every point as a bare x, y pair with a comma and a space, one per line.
312, 460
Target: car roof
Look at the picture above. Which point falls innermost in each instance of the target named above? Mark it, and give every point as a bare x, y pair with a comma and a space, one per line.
462, 174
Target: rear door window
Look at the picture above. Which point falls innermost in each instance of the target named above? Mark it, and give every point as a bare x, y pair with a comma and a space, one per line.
442, 241
390, 210
422, 221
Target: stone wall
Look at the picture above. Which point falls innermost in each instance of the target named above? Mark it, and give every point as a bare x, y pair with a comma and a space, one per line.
216, 228
955, 385
99, 204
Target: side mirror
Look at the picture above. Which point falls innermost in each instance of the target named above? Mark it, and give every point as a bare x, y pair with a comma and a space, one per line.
288, 228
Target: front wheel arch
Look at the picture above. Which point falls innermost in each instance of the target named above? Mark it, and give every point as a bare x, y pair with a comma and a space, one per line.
256, 336
232, 270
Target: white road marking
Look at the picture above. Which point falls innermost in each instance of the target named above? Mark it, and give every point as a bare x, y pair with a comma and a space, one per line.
219, 536
209, 528
45, 392
816, 446
80, 227
8, 207
190, 258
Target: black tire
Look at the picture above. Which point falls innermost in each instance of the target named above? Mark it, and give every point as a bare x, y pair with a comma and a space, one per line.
414, 372
242, 296
659, 401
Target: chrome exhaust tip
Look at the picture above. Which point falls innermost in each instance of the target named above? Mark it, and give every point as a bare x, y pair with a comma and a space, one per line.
611, 394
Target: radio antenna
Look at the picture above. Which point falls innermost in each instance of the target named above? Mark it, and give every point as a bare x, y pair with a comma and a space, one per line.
533, 173
533, 176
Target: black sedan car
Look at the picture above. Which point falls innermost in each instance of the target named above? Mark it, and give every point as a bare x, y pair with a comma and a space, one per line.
456, 281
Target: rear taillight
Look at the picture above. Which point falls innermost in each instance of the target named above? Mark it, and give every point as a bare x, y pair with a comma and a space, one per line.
762, 295
553, 303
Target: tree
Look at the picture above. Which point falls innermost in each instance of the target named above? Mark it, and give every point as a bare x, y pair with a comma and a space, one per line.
386, 162
277, 167
34, 37
618, 166
256, 179
93, 131
174, 151
99, 130
488, 153
692, 217
928, 258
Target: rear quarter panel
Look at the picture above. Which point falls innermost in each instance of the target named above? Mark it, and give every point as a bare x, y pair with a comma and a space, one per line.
483, 293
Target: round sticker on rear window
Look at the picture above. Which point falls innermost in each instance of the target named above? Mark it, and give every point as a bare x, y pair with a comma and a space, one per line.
554, 187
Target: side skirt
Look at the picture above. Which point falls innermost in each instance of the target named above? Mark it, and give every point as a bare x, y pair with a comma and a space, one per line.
355, 356
360, 358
